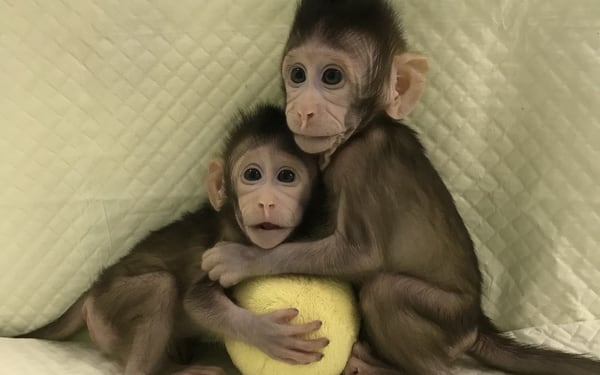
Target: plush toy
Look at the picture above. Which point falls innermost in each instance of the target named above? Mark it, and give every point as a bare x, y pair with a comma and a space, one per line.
323, 299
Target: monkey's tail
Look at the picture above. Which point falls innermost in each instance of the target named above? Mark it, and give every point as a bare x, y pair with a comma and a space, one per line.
65, 326
502, 352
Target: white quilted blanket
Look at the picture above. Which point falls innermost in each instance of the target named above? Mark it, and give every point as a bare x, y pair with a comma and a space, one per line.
109, 111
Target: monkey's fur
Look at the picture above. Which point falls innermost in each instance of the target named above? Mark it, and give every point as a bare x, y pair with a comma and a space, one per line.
398, 236
149, 303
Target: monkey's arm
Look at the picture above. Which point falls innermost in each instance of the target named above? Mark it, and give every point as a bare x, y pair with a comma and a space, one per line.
210, 309
351, 251
373, 223
230, 262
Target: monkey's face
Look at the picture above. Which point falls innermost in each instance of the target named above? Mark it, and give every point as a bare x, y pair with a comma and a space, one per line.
272, 189
321, 84
330, 90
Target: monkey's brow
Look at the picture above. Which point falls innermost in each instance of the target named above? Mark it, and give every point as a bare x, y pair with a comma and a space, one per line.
291, 160
282, 157
345, 57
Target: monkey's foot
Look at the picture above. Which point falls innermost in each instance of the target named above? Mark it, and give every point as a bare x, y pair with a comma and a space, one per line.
362, 361
180, 352
200, 370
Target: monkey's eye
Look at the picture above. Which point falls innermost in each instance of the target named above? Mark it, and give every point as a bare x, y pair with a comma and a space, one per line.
286, 175
332, 76
297, 75
252, 175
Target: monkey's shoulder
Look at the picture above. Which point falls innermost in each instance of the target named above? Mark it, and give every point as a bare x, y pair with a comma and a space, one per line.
384, 140
396, 137
385, 153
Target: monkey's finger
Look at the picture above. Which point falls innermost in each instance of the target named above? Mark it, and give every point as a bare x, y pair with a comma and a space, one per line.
215, 273
303, 329
283, 315
228, 281
308, 346
299, 358
210, 258
353, 366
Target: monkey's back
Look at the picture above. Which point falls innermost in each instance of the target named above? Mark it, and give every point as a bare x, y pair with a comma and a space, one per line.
175, 248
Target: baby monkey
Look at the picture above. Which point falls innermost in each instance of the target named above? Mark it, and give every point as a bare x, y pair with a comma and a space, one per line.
144, 309
398, 235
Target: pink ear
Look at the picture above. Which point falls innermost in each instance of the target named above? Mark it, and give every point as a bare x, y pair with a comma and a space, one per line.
407, 83
215, 183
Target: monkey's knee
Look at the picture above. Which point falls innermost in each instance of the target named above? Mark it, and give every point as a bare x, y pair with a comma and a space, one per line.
131, 301
100, 330
375, 294
376, 308
159, 288
164, 282
394, 330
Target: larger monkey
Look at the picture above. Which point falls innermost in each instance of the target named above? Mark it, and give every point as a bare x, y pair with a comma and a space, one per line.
153, 298
398, 235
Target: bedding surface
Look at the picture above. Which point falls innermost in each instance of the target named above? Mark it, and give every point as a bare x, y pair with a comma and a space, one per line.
109, 112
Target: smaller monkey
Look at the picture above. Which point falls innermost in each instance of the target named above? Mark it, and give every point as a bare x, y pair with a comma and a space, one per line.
267, 191
144, 309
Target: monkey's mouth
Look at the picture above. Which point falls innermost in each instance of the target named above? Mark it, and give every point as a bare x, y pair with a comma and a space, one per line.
268, 226
315, 145
314, 138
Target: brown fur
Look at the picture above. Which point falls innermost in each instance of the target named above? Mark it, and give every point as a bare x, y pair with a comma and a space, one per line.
398, 235
145, 307
131, 309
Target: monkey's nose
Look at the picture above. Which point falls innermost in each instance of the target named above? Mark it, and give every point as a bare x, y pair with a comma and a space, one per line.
266, 206
304, 118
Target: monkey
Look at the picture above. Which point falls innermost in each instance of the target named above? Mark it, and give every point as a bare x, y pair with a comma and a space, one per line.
267, 191
350, 82
154, 299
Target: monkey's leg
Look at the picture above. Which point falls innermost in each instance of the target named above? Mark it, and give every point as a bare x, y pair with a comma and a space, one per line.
361, 361
414, 325
137, 312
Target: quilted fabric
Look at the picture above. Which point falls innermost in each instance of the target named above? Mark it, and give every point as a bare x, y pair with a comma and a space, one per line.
109, 111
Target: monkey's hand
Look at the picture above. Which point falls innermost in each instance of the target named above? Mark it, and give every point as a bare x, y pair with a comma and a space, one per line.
279, 339
229, 263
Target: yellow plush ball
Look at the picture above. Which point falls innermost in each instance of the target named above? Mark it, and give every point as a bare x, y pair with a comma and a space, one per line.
329, 301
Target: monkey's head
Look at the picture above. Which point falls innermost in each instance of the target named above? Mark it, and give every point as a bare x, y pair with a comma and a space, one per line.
346, 61
264, 181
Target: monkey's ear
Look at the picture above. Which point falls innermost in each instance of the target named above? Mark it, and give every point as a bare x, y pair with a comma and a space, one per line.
215, 183
407, 83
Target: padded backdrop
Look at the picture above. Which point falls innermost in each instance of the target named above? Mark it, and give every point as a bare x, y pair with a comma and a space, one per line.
109, 111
